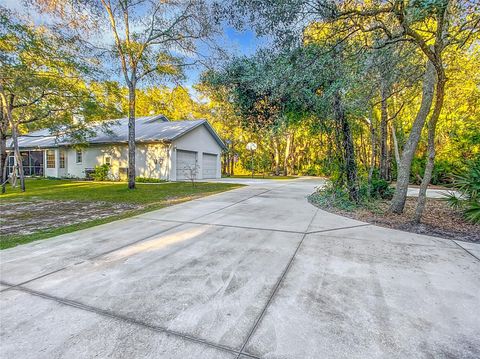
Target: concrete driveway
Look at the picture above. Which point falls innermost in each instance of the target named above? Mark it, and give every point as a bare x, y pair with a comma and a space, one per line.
256, 272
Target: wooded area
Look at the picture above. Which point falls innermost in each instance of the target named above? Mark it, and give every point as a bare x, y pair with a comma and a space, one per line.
365, 93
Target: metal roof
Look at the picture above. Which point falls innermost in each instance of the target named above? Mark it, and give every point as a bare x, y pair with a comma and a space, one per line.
147, 129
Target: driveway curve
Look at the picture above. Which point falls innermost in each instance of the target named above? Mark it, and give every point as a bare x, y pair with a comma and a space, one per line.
255, 272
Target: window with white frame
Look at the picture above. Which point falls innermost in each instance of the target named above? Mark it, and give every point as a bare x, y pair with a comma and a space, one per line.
61, 159
108, 160
79, 156
50, 158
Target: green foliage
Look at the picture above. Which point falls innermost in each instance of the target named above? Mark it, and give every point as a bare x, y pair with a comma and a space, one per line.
379, 188
149, 180
467, 184
332, 196
262, 162
442, 171
43, 75
312, 170
101, 172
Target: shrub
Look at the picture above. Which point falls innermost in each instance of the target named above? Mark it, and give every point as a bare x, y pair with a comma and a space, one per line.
379, 188
335, 195
332, 196
68, 176
441, 173
149, 180
467, 184
101, 172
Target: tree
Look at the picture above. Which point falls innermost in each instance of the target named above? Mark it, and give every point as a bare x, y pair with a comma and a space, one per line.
175, 104
39, 81
441, 23
431, 26
273, 91
149, 37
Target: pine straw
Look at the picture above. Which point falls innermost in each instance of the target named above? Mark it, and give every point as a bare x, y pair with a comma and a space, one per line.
439, 220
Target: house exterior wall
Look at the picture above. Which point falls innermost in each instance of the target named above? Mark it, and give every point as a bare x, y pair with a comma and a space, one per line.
151, 160
201, 141
91, 156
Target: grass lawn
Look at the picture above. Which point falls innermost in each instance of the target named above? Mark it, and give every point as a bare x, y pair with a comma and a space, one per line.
108, 196
257, 176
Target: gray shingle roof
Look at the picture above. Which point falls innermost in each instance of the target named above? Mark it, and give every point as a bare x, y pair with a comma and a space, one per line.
147, 129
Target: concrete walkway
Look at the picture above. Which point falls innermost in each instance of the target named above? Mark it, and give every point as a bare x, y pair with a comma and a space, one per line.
256, 272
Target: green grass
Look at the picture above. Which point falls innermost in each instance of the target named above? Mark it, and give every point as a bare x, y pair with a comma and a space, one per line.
149, 196
257, 176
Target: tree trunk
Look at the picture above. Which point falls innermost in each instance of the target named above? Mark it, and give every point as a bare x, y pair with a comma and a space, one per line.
347, 143
395, 145
18, 156
131, 136
432, 124
383, 133
373, 155
232, 161
225, 161
288, 147
3, 153
276, 156
4, 175
403, 176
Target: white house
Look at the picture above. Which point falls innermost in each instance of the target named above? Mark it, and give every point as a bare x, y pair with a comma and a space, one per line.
164, 150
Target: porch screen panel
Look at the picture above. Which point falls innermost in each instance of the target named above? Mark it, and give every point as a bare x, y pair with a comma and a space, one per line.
36, 163
32, 163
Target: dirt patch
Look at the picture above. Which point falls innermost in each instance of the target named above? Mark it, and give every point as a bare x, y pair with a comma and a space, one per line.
439, 220
28, 217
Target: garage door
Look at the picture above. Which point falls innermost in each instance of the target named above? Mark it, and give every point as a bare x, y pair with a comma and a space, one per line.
186, 164
209, 166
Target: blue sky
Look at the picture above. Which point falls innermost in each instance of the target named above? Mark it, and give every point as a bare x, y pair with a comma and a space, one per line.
234, 42
237, 43
247, 41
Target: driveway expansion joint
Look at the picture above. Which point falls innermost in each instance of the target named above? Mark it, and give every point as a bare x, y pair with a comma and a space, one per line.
466, 250
132, 243
126, 319
275, 289
260, 326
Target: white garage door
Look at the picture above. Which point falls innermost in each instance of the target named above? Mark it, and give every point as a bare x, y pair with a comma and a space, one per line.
209, 166
186, 164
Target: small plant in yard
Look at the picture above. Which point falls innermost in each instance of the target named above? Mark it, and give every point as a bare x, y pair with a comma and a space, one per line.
101, 172
467, 184
191, 172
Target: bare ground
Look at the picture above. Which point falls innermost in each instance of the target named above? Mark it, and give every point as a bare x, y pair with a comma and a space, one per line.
27, 217
439, 220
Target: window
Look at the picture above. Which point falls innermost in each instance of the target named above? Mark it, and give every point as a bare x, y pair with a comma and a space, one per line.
108, 160
62, 159
79, 156
11, 163
50, 158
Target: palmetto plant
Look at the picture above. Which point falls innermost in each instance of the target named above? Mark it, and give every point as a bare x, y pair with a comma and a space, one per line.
467, 186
